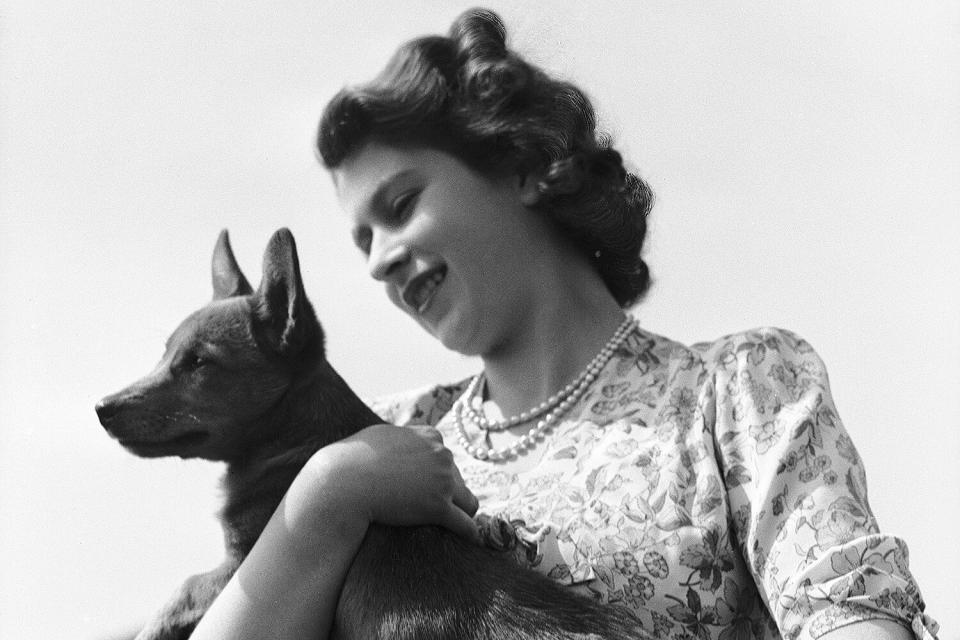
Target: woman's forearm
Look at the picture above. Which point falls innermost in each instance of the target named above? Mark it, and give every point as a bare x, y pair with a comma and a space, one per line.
289, 584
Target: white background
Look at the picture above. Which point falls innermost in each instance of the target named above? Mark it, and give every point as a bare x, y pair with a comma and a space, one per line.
805, 156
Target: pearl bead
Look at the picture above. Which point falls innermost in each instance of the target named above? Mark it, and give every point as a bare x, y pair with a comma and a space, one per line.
470, 406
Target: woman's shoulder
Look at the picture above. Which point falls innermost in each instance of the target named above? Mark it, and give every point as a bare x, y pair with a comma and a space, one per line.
758, 352
769, 346
759, 338
423, 405
727, 348
648, 351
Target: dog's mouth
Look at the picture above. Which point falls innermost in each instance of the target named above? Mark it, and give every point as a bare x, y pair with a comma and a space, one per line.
172, 446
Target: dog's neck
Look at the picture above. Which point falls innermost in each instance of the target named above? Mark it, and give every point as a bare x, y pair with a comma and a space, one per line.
319, 408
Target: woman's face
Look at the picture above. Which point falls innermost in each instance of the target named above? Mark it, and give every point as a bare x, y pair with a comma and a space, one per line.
453, 247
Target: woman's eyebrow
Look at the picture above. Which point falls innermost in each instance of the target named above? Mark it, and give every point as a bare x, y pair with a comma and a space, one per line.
378, 199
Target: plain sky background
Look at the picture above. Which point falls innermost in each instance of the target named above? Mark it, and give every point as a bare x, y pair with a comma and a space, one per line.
805, 157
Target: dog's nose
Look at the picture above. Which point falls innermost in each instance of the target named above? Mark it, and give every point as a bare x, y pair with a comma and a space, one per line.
106, 411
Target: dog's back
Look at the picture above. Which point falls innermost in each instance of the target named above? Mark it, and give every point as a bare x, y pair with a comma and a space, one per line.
245, 380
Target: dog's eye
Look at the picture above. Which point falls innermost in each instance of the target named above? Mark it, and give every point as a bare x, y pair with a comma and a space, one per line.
192, 361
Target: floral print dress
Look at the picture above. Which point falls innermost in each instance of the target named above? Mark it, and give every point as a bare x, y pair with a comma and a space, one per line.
711, 489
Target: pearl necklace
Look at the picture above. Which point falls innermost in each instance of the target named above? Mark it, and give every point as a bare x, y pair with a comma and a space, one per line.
554, 406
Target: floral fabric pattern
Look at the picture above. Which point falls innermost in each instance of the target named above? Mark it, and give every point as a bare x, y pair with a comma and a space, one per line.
711, 489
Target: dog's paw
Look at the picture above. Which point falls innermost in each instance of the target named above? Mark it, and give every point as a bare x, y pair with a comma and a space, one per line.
183, 611
496, 533
178, 629
501, 535
175, 622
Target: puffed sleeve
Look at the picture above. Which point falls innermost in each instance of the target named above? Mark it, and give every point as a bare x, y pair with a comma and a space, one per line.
798, 493
424, 406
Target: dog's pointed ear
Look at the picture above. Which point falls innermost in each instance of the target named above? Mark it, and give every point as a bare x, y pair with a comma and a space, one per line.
228, 280
283, 312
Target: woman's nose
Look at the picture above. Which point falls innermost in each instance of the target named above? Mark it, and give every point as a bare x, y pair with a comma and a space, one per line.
387, 255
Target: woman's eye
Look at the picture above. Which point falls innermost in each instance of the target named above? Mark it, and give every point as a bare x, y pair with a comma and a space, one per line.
403, 204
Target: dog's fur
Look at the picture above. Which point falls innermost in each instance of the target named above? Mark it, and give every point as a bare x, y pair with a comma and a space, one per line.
244, 380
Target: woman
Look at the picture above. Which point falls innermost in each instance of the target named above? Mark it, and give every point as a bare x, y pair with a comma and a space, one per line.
711, 489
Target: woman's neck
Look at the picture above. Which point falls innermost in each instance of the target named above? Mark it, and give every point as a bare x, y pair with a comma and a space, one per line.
552, 347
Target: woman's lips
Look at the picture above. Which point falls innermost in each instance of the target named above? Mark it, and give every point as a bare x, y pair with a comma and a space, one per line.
419, 292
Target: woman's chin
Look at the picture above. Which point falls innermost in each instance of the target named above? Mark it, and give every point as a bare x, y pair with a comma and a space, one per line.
454, 334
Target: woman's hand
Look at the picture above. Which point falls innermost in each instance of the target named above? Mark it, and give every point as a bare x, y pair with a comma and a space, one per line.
385, 474
289, 584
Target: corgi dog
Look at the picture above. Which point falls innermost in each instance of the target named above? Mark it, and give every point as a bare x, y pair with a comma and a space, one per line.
244, 380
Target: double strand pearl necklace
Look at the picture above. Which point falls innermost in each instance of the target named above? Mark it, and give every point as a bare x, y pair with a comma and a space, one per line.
551, 408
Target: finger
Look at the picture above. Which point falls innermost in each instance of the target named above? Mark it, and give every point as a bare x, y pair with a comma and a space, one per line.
462, 525
462, 496
430, 434
465, 500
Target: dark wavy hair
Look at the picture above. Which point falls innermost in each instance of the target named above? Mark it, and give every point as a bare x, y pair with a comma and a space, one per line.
469, 95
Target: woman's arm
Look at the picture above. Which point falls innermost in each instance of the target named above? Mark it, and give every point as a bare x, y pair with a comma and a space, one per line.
289, 584
268, 597
870, 630
799, 487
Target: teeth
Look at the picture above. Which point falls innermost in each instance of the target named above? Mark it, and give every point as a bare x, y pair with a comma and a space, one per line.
425, 291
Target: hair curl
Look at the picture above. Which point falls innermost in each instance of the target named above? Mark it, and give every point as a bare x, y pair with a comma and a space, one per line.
469, 95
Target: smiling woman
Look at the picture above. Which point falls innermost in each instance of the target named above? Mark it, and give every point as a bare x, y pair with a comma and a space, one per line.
804, 158
484, 199
505, 118
472, 235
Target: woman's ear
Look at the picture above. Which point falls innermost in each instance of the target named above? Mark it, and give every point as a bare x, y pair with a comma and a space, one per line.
529, 187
